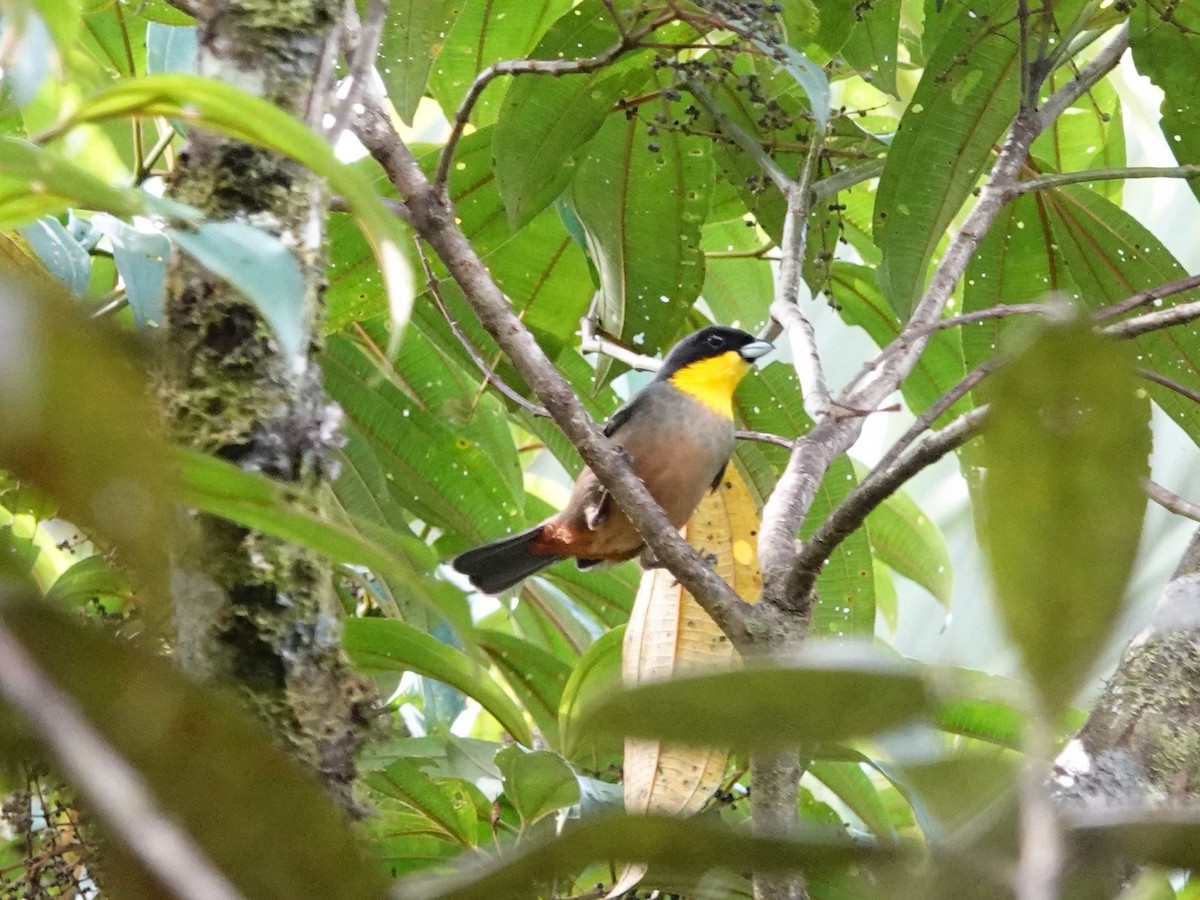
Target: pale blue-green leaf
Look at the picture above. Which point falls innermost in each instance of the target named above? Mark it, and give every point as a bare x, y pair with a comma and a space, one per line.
171, 49
808, 75
64, 257
260, 266
28, 54
141, 258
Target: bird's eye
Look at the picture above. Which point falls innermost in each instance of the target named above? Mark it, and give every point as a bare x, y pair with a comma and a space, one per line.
715, 341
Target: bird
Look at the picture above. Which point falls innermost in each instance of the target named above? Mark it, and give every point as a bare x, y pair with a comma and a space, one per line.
677, 435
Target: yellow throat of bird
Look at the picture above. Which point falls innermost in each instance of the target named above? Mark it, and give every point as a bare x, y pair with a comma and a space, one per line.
712, 381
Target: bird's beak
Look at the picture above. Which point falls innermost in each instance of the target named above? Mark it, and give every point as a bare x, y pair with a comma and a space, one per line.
754, 350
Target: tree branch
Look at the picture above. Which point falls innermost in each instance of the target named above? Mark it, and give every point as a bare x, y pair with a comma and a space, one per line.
434, 220
881, 483
1172, 502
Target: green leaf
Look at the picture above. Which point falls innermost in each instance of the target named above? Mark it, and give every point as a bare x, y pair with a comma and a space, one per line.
141, 259
243, 116
89, 579
906, 539
262, 268
60, 184
207, 766
1109, 256
171, 49
1088, 135
447, 463
404, 781
413, 35
596, 676
1166, 47
966, 98
537, 782
855, 788
984, 720
870, 48
848, 691
739, 290
386, 645
480, 36
536, 676
545, 119
691, 845
642, 199
1067, 444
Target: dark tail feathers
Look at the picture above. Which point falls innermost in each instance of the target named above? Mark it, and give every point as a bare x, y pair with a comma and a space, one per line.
496, 567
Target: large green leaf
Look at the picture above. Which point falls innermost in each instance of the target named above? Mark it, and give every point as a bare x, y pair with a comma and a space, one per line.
206, 766
966, 98
595, 677
642, 199
848, 691
1090, 134
413, 35
1067, 445
404, 781
385, 645
871, 46
545, 119
688, 845
854, 787
482, 34
448, 464
1109, 256
1166, 47
536, 676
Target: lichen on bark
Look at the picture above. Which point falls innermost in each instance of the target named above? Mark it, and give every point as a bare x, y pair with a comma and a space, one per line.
251, 611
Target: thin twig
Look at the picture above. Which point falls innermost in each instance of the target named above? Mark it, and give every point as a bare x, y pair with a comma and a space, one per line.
785, 308
489, 373
590, 341
763, 437
999, 311
1089, 76
1155, 321
111, 785
627, 42
1062, 179
1171, 501
1141, 298
874, 489
1168, 383
394, 206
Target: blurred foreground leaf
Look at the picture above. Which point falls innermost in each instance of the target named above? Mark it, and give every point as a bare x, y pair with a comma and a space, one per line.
828, 693
691, 845
1067, 445
207, 767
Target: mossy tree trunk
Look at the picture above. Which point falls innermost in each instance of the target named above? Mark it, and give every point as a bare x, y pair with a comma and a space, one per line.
1140, 745
252, 611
